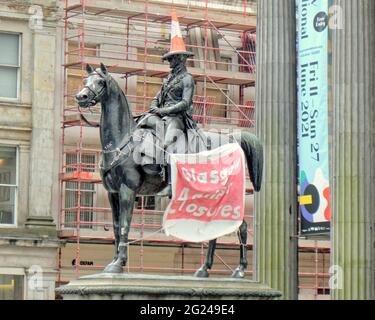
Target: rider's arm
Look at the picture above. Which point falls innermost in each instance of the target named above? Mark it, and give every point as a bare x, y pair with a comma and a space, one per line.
155, 101
187, 98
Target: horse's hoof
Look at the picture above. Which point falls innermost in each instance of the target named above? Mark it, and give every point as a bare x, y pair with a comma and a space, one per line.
239, 273
113, 268
201, 273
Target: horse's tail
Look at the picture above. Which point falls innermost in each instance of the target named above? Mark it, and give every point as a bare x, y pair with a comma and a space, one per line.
253, 150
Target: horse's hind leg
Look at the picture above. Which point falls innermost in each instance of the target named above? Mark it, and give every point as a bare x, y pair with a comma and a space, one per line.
239, 272
126, 204
202, 272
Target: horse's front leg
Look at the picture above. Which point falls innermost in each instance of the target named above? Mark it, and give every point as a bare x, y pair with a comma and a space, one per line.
202, 272
114, 202
239, 272
126, 205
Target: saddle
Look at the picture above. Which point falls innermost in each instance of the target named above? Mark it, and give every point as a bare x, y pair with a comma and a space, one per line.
149, 151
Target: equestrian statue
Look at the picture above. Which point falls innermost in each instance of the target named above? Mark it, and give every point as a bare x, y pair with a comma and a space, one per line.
135, 149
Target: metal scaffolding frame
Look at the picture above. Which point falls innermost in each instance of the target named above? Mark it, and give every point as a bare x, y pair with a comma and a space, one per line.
125, 59
77, 29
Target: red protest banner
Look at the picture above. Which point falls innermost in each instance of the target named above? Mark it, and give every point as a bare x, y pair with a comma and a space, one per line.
208, 194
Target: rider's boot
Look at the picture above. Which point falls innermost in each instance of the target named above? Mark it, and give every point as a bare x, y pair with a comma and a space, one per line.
167, 191
169, 139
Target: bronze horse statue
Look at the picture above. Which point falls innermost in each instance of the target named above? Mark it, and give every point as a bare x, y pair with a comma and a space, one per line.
124, 177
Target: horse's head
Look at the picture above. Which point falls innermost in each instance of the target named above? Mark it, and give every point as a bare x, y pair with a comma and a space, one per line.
94, 86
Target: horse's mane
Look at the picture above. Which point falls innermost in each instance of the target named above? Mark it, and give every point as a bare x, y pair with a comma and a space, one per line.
113, 88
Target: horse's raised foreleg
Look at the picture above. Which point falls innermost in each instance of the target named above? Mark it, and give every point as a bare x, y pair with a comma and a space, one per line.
126, 204
239, 272
202, 272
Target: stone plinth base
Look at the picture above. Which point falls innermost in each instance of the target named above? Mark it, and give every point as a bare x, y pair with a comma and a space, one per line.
154, 287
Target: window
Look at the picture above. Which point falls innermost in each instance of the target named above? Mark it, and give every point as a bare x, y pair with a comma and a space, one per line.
148, 217
148, 202
8, 185
11, 287
9, 65
87, 193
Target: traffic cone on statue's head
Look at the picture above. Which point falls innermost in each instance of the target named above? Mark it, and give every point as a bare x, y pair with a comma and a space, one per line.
177, 42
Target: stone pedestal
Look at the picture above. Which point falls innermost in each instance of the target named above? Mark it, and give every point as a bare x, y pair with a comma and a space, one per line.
146, 287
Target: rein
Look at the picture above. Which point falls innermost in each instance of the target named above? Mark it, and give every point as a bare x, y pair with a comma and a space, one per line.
84, 119
94, 100
124, 144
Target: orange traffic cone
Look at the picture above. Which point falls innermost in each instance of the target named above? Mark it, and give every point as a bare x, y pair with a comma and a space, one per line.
177, 42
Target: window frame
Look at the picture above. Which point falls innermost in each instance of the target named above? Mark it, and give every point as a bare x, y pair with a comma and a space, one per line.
18, 89
16, 186
92, 192
16, 272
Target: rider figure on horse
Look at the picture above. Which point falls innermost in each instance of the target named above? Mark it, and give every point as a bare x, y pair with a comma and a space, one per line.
174, 102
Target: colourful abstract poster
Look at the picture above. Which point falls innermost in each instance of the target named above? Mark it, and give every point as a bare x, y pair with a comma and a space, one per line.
313, 149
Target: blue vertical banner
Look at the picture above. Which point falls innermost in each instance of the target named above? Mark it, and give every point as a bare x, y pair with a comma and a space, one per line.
313, 150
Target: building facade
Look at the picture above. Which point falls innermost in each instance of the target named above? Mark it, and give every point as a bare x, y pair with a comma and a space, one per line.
28, 148
53, 227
